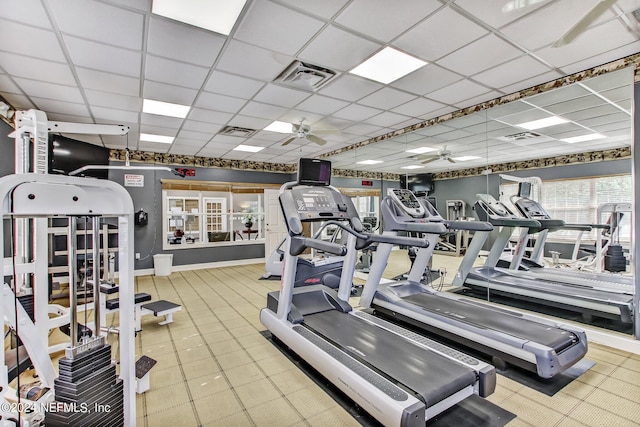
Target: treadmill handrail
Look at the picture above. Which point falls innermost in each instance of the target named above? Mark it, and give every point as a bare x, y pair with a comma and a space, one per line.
366, 239
469, 225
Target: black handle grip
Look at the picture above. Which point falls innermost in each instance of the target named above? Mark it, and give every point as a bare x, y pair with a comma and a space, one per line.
397, 240
299, 244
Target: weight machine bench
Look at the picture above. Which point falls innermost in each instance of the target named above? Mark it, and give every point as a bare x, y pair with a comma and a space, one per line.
157, 308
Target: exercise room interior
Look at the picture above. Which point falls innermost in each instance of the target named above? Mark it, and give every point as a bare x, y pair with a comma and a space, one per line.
334, 213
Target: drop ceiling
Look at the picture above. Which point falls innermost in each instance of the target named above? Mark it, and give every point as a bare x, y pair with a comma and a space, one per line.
91, 61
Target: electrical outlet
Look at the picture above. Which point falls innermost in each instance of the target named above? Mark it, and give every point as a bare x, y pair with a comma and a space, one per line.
137, 255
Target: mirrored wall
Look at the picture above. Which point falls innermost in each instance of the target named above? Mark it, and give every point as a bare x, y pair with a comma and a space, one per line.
568, 150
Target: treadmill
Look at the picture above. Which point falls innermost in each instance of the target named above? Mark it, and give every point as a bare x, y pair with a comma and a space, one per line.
535, 344
549, 289
398, 377
605, 281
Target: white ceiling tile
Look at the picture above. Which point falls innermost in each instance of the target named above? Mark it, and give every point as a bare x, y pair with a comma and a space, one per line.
249, 122
484, 53
575, 105
427, 79
7, 85
50, 90
99, 56
356, 112
557, 95
324, 9
557, 17
26, 11
212, 101
174, 72
181, 42
387, 119
599, 39
418, 107
338, 49
54, 106
439, 35
350, 87
31, 68
282, 96
34, 42
277, 28
497, 13
18, 101
366, 16
103, 115
158, 129
534, 81
168, 93
511, 72
228, 84
209, 128
161, 121
187, 150
99, 22
486, 96
112, 100
265, 111
154, 147
193, 136
202, 115
321, 105
108, 82
437, 113
458, 92
362, 129
142, 5
603, 58
252, 61
386, 98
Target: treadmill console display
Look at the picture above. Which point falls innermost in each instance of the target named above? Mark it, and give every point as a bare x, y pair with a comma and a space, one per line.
318, 203
531, 209
408, 202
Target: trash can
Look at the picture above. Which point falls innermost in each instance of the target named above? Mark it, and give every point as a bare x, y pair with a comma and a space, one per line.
162, 264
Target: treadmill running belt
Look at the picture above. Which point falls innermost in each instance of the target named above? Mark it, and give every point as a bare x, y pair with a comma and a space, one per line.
555, 338
432, 376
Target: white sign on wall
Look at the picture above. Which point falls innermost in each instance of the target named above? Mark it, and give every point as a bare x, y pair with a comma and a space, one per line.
131, 180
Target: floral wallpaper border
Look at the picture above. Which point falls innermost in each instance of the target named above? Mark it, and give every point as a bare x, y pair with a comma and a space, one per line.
598, 156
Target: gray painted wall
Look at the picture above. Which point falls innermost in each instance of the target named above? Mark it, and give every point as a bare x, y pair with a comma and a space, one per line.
7, 151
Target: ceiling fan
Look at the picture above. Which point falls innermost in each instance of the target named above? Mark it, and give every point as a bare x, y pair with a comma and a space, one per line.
443, 154
578, 28
303, 130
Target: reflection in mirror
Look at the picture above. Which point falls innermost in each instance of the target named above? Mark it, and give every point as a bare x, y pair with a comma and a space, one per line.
561, 158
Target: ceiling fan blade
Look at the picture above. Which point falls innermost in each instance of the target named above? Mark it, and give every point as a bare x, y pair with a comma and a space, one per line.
450, 160
315, 139
295, 127
288, 141
433, 159
584, 22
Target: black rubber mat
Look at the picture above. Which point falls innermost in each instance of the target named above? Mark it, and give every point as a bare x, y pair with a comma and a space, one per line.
548, 386
471, 412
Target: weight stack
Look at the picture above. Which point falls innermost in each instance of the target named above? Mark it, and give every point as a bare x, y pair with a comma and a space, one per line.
614, 260
87, 392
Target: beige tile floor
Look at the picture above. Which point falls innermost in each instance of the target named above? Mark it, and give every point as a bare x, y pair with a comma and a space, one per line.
215, 368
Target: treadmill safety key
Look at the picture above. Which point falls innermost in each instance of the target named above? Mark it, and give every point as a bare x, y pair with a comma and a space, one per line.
162, 308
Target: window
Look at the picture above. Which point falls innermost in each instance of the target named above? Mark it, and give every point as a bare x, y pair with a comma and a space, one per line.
576, 202
194, 218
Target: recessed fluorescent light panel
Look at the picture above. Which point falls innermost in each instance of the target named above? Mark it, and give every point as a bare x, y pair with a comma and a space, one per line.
543, 123
412, 167
583, 138
162, 139
282, 127
213, 15
465, 158
388, 65
421, 150
248, 148
165, 108
369, 162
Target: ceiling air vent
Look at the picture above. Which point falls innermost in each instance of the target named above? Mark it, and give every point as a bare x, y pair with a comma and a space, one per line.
518, 136
302, 75
236, 131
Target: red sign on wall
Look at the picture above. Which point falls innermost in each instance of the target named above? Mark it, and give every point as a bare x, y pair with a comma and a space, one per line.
367, 183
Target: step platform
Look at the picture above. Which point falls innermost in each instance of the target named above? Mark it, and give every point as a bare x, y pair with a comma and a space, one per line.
162, 308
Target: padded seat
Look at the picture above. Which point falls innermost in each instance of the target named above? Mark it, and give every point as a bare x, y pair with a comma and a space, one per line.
114, 304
